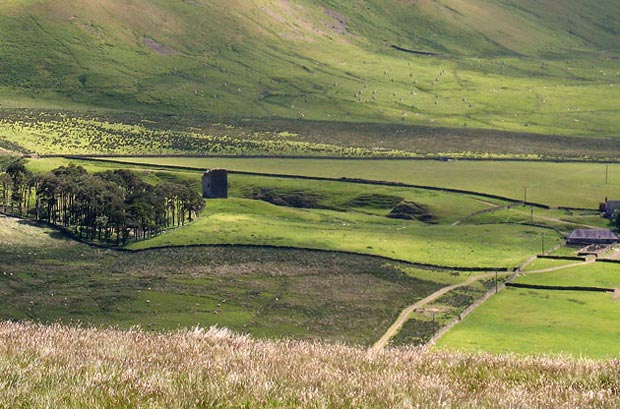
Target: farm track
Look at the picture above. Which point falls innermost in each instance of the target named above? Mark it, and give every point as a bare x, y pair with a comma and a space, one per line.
403, 317
492, 208
553, 219
589, 260
405, 314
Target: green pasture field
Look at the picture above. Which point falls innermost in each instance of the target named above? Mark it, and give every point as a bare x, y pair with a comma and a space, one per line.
562, 220
238, 221
347, 212
445, 207
551, 183
265, 292
606, 275
545, 263
544, 321
540, 322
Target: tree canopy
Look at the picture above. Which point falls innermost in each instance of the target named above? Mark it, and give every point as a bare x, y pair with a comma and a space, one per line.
114, 205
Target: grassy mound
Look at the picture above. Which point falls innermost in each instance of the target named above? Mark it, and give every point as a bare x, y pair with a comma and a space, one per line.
291, 199
375, 200
407, 210
73, 367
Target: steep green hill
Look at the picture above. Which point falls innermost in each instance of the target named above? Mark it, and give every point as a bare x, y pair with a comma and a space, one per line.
519, 65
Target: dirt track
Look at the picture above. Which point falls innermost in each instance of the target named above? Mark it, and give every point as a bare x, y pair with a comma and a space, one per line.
553, 219
404, 315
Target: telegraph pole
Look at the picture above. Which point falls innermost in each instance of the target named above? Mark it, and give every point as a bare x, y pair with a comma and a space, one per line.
606, 174
543, 243
524, 195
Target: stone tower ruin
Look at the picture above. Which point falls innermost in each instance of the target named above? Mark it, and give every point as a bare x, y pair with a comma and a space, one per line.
215, 184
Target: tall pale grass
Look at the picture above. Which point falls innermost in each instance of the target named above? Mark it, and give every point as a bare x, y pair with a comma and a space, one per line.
59, 366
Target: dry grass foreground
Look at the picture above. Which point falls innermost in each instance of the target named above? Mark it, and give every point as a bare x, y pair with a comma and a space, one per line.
59, 366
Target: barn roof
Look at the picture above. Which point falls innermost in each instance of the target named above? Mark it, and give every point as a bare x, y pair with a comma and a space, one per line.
592, 234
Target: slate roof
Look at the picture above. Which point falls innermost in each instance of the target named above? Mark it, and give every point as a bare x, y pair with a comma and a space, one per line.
592, 234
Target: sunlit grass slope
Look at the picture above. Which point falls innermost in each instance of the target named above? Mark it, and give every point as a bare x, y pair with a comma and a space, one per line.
62, 132
520, 65
238, 221
606, 275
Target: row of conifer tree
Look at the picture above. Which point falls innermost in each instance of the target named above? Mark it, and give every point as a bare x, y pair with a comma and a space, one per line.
115, 205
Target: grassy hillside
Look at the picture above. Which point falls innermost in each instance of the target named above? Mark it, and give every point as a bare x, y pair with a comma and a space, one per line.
521, 66
489, 27
71, 367
266, 292
352, 217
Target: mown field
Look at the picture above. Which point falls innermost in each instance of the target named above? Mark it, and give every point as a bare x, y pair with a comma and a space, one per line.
559, 218
524, 321
266, 292
551, 183
543, 264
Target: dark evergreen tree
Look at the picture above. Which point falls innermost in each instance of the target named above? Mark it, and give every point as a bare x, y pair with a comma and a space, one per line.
113, 205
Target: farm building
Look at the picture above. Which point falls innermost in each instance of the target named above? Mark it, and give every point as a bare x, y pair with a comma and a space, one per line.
215, 184
610, 207
591, 236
